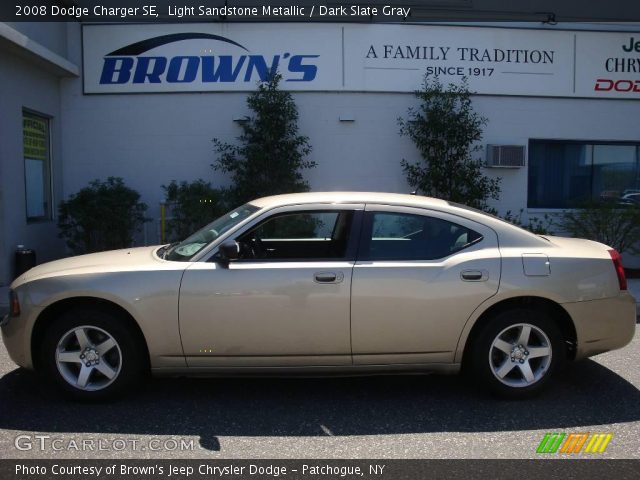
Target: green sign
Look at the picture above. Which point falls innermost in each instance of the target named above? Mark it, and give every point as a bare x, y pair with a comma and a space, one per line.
35, 137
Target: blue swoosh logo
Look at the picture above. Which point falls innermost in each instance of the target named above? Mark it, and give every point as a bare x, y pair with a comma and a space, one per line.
145, 45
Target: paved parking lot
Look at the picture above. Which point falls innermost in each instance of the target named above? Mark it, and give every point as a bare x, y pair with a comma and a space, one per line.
366, 417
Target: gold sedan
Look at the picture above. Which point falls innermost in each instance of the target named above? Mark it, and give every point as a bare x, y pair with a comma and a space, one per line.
317, 283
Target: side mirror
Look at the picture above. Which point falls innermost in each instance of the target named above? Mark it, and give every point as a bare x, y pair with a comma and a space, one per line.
228, 251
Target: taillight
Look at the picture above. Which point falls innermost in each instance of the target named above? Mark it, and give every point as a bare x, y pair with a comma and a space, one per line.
14, 304
617, 264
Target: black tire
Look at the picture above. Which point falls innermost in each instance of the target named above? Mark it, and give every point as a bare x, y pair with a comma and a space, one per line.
127, 358
482, 360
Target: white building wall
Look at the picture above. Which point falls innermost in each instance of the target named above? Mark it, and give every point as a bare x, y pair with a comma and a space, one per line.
151, 139
53, 35
23, 85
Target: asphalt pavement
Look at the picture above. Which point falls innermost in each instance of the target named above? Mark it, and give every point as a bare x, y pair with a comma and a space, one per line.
366, 417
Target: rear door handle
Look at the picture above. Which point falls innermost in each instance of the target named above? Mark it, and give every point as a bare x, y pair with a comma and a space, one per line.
474, 275
328, 277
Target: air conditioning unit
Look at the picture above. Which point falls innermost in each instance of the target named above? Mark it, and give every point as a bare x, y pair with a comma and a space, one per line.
505, 156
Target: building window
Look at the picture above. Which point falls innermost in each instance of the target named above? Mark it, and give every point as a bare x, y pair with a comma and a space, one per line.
569, 174
37, 166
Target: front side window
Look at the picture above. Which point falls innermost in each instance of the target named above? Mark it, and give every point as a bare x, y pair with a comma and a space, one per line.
311, 235
37, 166
403, 236
565, 174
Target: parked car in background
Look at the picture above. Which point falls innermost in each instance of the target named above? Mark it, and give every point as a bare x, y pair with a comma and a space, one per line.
318, 283
630, 199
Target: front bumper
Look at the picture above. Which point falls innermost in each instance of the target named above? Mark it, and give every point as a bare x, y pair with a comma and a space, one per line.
16, 335
604, 324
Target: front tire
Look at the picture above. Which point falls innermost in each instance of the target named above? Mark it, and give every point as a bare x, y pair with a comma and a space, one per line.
91, 355
516, 353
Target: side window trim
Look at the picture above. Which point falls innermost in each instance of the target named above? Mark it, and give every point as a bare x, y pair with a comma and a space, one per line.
366, 234
353, 242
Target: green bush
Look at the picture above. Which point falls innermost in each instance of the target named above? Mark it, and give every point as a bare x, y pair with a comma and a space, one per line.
614, 225
192, 205
102, 216
539, 226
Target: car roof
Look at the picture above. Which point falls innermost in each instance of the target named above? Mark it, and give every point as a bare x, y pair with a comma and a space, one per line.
348, 197
509, 233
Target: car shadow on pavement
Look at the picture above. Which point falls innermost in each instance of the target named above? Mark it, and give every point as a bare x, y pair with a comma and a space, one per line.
586, 393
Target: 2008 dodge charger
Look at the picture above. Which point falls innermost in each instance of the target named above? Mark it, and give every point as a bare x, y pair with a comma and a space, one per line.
313, 283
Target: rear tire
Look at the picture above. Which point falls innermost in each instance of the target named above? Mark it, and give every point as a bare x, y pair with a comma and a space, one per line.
91, 355
516, 353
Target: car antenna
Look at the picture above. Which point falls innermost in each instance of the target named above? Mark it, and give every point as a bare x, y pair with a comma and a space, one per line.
415, 192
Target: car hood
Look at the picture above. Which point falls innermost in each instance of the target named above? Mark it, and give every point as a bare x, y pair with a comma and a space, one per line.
127, 259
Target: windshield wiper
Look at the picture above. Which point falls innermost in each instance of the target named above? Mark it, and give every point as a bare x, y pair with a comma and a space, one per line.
166, 249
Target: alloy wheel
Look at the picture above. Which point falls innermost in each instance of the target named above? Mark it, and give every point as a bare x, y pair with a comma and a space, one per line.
88, 358
520, 355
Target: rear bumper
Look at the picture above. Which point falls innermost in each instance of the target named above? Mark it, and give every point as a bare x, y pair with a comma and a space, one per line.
604, 324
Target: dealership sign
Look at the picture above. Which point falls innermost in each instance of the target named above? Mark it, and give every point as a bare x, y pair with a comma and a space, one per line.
496, 60
383, 58
129, 65
212, 57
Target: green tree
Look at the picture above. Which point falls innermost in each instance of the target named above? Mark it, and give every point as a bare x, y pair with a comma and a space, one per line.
102, 216
270, 154
447, 132
192, 205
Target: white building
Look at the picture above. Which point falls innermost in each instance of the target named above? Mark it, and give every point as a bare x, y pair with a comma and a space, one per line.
143, 102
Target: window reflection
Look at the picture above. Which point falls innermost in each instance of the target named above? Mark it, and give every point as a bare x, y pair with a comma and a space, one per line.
566, 174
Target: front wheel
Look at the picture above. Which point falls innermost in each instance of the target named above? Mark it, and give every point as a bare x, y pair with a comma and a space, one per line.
91, 355
516, 353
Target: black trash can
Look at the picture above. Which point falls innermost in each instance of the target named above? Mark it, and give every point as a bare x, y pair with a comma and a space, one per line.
25, 259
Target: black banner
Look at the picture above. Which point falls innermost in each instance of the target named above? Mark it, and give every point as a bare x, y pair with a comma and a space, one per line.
317, 469
316, 11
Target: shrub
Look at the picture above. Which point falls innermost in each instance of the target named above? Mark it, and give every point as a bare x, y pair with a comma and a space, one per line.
192, 205
539, 226
614, 225
102, 216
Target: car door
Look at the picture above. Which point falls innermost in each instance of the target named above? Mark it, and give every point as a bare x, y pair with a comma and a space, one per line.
419, 276
284, 302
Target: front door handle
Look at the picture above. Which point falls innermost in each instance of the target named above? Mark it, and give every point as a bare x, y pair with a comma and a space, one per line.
474, 275
328, 277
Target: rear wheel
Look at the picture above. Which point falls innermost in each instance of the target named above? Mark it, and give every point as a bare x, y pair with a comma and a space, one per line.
91, 354
516, 353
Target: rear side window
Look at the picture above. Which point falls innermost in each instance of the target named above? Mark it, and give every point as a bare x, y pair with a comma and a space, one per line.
404, 236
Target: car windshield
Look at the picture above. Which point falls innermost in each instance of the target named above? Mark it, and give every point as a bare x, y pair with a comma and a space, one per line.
185, 250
